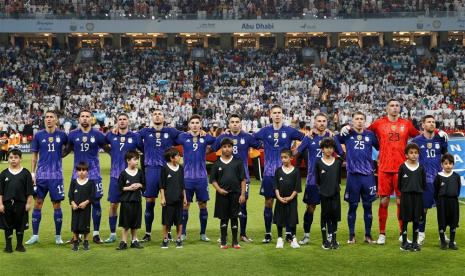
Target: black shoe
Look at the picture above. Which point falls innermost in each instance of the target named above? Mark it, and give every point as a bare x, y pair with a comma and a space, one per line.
415, 247
20, 248
148, 238
405, 246
122, 246
288, 237
267, 238
443, 245
170, 238
70, 241
136, 244
75, 246
178, 243
96, 239
164, 243
334, 244
326, 245
453, 246
85, 245
8, 249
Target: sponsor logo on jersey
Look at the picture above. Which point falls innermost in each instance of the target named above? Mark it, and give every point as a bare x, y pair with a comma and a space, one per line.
43, 140
188, 140
442, 183
127, 181
6, 179
76, 191
281, 178
115, 139
151, 135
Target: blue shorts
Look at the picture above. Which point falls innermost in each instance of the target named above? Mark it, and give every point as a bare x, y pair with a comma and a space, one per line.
360, 186
266, 189
54, 186
152, 181
312, 195
113, 191
428, 196
197, 186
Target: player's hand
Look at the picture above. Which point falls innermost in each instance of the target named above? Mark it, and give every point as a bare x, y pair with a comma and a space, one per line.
242, 199
163, 202
2, 208
184, 202
28, 207
222, 191
82, 205
115, 130
74, 206
310, 134
345, 130
202, 133
443, 134
33, 175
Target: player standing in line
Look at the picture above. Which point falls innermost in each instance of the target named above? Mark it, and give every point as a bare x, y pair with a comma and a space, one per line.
85, 142
360, 174
432, 147
47, 174
311, 144
120, 144
195, 172
275, 138
242, 143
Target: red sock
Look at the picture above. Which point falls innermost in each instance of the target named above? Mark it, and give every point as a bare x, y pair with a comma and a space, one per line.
382, 216
398, 218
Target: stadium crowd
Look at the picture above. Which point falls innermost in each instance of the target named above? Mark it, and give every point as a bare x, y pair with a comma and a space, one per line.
33, 80
226, 9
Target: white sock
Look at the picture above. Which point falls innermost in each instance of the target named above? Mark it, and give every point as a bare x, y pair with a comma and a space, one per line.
96, 233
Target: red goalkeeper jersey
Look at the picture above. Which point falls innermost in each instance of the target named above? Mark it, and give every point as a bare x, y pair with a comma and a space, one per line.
393, 138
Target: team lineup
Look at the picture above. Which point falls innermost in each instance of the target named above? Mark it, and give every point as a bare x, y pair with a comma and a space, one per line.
418, 171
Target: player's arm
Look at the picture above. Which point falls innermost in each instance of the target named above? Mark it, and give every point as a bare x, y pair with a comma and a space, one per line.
162, 187
301, 148
2, 187
412, 131
34, 159
29, 191
374, 141
68, 148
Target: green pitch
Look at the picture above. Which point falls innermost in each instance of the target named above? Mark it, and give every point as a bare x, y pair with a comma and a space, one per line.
199, 257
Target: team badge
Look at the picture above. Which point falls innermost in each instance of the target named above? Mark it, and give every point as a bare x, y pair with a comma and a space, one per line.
437, 146
123, 139
201, 140
166, 136
242, 141
429, 145
50, 139
130, 140
157, 135
276, 135
284, 135
84, 139
235, 141
402, 128
367, 139
194, 139
359, 137
92, 139
58, 139
393, 127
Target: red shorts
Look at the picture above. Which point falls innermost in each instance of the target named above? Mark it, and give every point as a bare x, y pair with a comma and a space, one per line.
387, 184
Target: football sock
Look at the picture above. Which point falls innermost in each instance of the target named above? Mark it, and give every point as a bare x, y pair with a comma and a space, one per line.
58, 218
149, 216
96, 214
352, 216
203, 217
367, 217
268, 216
36, 218
185, 218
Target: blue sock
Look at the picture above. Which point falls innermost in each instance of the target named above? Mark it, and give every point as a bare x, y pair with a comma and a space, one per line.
58, 218
36, 218
185, 218
351, 217
243, 219
112, 220
422, 224
368, 217
149, 216
308, 220
203, 217
268, 216
96, 214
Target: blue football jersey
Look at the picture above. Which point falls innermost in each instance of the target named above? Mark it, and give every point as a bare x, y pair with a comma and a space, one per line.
431, 151
195, 149
86, 149
154, 144
120, 145
359, 151
50, 149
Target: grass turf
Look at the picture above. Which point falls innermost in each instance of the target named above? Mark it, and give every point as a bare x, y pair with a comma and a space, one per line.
206, 258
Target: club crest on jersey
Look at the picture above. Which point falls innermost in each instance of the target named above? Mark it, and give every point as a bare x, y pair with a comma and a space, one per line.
276, 135
84, 139
242, 141
123, 139
367, 139
58, 139
429, 145
359, 137
194, 139
437, 146
402, 128
92, 139
166, 135
158, 135
284, 135
235, 141
130, 140
201, 140
394, 127
50, 139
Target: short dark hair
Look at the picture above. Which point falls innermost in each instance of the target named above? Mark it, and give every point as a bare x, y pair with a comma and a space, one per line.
412, 146
321, 114
328, 143
286, 152
82, 166
392, 100
51, 111
170, 153
16, 152
122, 114
302, 124
195, 116
234, 115
427, 117
359, 113
449, 157
84, 110
131, 154
276, 106
227, 141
